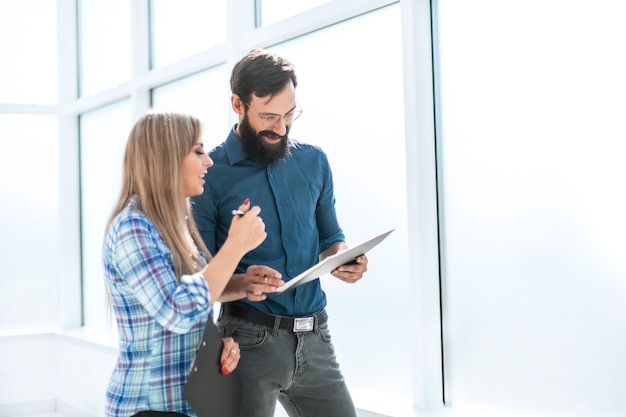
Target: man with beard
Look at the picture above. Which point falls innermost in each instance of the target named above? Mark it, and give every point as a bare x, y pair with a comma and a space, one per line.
286, 352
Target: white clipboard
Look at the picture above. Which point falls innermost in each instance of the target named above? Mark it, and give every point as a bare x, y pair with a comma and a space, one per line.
333, 261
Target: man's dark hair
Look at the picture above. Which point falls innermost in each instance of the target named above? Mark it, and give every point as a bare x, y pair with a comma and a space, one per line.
261, 73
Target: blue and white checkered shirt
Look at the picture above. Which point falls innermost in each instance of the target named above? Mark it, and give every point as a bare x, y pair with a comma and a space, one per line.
159, 320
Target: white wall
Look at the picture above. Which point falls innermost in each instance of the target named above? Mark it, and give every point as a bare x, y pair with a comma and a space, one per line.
52, 371
28, 369
65, 372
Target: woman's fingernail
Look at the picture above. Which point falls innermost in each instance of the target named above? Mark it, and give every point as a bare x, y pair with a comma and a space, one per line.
246, 201
223, 362
225, 371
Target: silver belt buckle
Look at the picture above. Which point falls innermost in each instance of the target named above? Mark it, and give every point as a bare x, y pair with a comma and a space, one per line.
303, 324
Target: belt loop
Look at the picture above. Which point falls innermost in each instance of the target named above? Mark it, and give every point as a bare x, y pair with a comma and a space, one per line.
317, 321
319, 316
276, 326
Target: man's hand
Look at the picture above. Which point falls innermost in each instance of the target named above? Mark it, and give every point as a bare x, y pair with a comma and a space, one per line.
352, 271
253, 285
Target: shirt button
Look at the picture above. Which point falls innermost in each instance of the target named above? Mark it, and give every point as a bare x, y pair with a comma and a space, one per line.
291, 270
286, 239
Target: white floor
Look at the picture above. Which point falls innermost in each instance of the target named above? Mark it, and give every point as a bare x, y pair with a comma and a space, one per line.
50, 414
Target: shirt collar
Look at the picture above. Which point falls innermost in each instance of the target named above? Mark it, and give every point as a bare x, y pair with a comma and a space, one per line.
233, 147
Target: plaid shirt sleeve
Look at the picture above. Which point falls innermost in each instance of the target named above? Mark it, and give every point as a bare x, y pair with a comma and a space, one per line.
145, 263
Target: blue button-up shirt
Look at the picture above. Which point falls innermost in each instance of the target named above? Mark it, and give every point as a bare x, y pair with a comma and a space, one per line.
297, 204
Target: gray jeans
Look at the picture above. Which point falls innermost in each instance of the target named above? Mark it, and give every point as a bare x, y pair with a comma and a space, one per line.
298, 369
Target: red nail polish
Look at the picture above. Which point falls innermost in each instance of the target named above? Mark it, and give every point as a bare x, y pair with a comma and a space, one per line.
246, 201
223, 362
225, 371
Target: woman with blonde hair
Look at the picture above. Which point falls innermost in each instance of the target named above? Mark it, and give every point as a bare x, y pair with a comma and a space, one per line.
161, 280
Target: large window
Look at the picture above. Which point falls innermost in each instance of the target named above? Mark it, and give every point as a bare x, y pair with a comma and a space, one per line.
361, 129
182, 28
129, 58
204, 95
272, 11
374, 186
28, 47
527, 101
532, 187
29, 238
29, 166
103, 135
104, 44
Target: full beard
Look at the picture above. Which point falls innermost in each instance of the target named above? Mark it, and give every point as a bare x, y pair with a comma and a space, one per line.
257, 149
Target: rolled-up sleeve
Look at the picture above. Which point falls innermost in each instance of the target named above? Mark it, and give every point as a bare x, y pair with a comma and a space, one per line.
144, 264
326, 217
197, 288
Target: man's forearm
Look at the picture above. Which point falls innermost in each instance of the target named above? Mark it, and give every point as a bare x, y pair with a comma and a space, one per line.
336, 247
235, 289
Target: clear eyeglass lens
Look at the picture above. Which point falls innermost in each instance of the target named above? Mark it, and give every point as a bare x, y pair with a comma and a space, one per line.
271, 120
290, 117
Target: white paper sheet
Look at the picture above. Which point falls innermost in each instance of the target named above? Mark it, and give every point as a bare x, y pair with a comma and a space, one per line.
333, 261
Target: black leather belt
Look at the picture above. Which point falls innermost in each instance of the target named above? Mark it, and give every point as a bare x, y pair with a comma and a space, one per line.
293, 324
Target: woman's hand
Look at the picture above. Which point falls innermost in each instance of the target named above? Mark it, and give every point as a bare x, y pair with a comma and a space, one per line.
230, 355
248, 230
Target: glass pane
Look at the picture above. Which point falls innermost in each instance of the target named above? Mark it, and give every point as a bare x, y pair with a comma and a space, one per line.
205, 95
273, 11
103, 136
104, 44
28, 47
339, 102
185, 27
532, 149
29, 199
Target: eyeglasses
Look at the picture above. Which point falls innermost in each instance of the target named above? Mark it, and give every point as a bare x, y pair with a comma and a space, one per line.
269, 120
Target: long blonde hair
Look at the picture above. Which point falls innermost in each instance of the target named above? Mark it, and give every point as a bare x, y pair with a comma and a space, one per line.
157, 145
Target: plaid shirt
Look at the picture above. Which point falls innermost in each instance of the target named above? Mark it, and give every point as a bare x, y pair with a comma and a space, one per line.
160, 322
